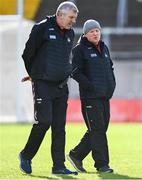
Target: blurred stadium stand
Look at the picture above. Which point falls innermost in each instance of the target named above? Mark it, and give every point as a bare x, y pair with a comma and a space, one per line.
125, 44
8, 7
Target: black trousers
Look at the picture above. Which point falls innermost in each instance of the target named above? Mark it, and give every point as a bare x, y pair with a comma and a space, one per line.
96, 113
50, 104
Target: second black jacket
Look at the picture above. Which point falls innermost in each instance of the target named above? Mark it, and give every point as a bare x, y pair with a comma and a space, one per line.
93, 70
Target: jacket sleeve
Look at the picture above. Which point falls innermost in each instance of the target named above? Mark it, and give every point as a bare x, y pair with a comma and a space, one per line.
31, 47
78, 66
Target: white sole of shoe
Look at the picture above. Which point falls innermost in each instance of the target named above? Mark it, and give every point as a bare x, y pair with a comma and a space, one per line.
70, 160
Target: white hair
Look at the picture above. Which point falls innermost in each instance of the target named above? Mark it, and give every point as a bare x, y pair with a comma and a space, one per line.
64, 7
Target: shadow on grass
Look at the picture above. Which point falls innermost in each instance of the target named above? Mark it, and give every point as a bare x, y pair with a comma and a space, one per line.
115, 176
54, 177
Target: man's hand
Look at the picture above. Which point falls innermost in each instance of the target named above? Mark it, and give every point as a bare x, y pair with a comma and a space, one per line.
27, 78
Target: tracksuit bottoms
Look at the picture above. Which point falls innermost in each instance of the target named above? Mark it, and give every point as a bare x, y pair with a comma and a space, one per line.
96, 113
50, 104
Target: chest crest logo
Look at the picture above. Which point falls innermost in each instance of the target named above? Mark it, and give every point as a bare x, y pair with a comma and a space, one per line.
106, 55
52, 37
93, 55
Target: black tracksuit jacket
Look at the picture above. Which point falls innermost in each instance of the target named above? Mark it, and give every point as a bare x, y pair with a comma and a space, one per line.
47, 52
93, 70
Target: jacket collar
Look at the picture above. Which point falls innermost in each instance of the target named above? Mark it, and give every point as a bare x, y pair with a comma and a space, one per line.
83, 40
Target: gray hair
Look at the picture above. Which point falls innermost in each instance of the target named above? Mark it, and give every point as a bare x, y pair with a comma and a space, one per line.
64, 7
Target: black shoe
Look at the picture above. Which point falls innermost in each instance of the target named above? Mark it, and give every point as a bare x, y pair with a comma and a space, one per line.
25, 165
63, 171
77, 164
105, 169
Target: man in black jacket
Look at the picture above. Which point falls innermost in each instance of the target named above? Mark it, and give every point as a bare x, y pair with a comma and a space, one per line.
46, 57
93, 70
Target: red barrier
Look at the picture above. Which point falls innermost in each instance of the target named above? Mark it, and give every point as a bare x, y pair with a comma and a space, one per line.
126, 110
121, 110
74, 111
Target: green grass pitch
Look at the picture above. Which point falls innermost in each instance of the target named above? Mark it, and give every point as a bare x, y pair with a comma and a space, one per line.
125, 146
